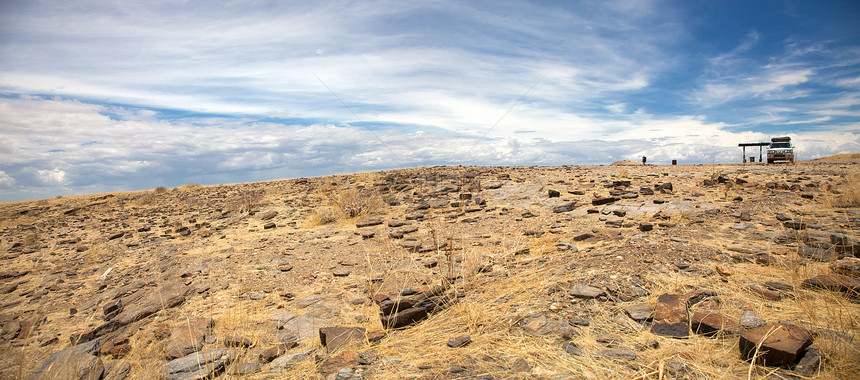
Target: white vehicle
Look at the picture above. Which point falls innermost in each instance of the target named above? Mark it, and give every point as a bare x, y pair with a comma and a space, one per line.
780, 149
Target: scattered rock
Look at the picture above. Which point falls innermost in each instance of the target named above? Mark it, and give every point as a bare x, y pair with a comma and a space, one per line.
200, 365
341, 337
670, 317
585, 291
781, 343
712, 323
850, 286
572, 349
603, 201
765, 293
76, 362
849, 266
540, 325
567, 207
369, 222
287, 361
188, 337
459, 341
616, 353
639, 312
751, 320
809, 364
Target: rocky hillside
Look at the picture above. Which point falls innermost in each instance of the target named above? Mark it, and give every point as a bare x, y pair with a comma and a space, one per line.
675, 272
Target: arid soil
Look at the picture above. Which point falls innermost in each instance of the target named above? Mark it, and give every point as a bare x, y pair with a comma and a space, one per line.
640, 271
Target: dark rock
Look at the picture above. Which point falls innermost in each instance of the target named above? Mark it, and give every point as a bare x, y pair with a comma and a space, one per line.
809, 364
670, 317
582, 237
404, 317
76, 362
712, 323
188, 337
344, 360
269, 226
572, 349
554, 193
267, 215
645, 227
616, 353
609, 339
817, 254
117, 370
849, 266
368, 222
287, 361
695, 296
459, 341
639, 312
112, 307
781, 343
564, 207
751, 320
603, 201
167, 296
585, 291
203, 364
778, 286
646, 191
850, 286
244, 369
782, 217
541, 325
794, 225
765, 292
397, 223
117, 346
341, 337
271, 353
341, 272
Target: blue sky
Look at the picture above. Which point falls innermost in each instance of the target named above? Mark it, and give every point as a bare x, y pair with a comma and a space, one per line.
102, 96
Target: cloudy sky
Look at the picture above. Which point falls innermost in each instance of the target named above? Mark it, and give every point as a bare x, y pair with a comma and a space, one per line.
102, 96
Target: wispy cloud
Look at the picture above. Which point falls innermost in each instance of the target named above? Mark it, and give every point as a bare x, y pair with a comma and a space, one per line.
97, 96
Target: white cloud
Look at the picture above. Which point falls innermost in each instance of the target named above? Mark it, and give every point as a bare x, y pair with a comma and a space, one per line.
52, 177
6, 180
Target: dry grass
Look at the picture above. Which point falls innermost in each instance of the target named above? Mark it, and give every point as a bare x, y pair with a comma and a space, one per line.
245, 201
345, 205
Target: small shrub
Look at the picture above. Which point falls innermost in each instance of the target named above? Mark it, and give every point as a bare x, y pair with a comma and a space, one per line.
160, 189
245, 201
353, 203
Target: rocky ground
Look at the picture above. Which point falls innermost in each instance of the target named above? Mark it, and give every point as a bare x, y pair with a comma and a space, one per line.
705, 271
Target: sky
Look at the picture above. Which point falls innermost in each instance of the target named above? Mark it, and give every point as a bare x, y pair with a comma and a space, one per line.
102, 96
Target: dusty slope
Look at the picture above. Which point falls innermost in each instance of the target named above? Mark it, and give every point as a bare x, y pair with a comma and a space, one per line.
183, 273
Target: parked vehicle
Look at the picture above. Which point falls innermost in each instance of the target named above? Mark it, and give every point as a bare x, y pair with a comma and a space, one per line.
780, 149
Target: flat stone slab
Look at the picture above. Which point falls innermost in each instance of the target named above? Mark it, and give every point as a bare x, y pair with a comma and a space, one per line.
850, 286
368, 222
781, 343
639, 312
198, 365
670, 316
711, 323
76, 362
616, 353
340, 337
585, 291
